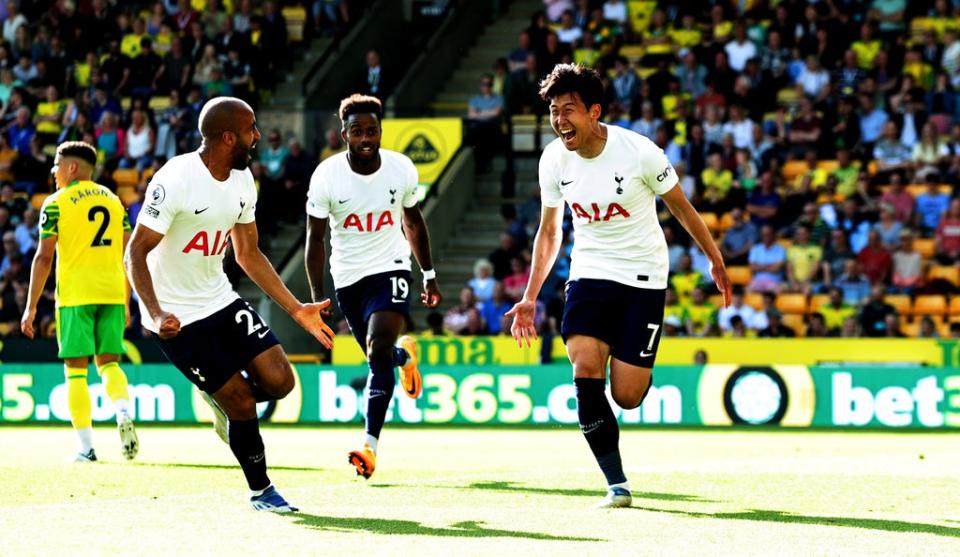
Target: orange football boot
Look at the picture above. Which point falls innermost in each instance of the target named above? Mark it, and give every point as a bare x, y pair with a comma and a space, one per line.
364, 460
410, 378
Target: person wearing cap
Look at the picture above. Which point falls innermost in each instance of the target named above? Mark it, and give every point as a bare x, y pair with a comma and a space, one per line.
775, 327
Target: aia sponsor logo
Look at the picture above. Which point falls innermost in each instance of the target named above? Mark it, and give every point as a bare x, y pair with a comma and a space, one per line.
201, 243
369, 222
595, 213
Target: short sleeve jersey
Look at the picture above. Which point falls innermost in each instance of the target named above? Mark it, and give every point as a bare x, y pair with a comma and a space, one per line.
89, 222
195, 213
365, 214
617, 234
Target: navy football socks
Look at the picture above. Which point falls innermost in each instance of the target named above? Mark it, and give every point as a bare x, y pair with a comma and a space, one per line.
380, 386
599, 426
247, 446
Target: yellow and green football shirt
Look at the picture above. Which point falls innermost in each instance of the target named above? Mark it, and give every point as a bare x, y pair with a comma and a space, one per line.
89, 222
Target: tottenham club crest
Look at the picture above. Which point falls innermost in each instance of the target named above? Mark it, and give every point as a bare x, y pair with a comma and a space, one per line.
618, 178
158, 195
393, 196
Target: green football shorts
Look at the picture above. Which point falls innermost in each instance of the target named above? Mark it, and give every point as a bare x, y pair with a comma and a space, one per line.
90, 330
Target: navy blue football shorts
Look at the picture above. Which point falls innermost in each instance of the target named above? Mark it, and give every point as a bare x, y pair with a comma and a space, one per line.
389, 291
210, 351
626, 318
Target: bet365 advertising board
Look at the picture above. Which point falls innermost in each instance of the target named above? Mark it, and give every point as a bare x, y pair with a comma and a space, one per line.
712, 395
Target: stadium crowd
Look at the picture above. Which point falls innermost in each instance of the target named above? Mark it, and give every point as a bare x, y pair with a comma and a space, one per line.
130, 77
819, 140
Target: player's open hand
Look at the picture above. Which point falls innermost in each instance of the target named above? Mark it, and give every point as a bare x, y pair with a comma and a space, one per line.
168, 326
26, 322
431, 294
310, 317
722, 281
524, 326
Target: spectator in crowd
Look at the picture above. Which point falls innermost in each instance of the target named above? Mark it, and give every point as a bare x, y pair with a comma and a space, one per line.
502, 257
875, 260
803, 262
873, 315
836, 311
21, 132
493, 310
515, 284
764, 202
140, 143
685, 278
767, 260
171, 124
888, 227
900, 198
947, 237
927, 328
375, 82
739, 239
737, 308
464, 318
816, 326
111, 140
297, 169
517, 59
907, 265
524, 89
483, 120
930, 206
701, 315
775, 327
482, 282
334, 144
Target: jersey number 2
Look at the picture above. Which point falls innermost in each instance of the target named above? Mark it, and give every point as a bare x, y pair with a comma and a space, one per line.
253, 324
99, 240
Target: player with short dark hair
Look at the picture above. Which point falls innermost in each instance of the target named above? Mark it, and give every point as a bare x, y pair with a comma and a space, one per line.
613, 311
195, 205
367, 194
87, 227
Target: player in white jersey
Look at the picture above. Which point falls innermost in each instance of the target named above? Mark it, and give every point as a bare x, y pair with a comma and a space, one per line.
195, 205
367, 194
614, 302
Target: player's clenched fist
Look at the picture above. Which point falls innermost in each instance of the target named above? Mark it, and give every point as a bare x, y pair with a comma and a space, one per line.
310, 317
26, 322
168, 326
431, 296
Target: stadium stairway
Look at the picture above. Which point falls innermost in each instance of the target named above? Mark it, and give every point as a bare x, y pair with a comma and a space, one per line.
478, 233
496, 41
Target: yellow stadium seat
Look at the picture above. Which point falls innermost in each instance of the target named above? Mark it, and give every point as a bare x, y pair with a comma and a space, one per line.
955, 306
932, 305
949, 273
817, 301
126, 177
900, 302
128, 197
912, 330
296, 17
147, 174
36, 201
796, 322
753, 299
739, 274
793, 169
829, 166
716, 300
925, 247
792, 303
632, 52
159, 103
872, 168
726, 222
787, 243
711, 220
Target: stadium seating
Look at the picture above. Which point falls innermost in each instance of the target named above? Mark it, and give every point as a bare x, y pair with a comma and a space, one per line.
792, 303
739, 275
900, 302
948, 273
930, 304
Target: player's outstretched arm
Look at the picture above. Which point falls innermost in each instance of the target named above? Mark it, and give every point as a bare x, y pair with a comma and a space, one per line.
246, 247
417, 234
135, 260
315, 257
546, 245
39, 272
694, 225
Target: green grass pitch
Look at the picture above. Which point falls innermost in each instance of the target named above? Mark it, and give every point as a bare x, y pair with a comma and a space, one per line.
486, 492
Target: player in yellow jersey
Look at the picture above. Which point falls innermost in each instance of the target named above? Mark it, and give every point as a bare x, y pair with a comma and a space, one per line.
85, 224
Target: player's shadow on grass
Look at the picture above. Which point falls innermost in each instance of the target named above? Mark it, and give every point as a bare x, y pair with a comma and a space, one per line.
385, 526
513, 487
224, 466
789, 518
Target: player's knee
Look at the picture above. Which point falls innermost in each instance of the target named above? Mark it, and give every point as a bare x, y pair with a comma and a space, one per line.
585, 370
379, 348
628, 399
283, 387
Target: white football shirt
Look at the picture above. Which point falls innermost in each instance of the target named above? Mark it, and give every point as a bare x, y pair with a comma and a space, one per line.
617, 234
195, 213
365, 214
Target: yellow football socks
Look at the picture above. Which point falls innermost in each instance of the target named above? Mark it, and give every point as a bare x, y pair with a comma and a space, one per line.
115, 384
78, 397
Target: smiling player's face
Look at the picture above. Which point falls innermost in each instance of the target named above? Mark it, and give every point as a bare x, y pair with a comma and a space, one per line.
247, 137
362, 134
571, 119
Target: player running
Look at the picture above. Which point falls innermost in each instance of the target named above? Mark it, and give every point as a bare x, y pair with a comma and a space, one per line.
367, 193
610, 178
86, 225
195, 205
